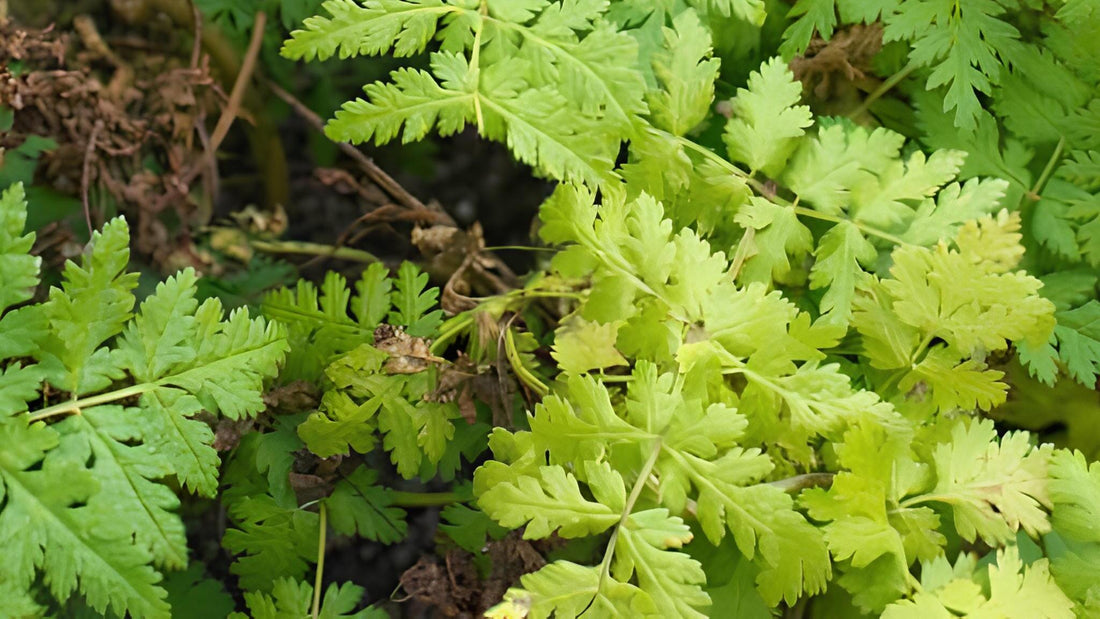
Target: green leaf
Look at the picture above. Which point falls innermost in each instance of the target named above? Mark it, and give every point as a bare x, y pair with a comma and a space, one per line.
965, 385
413, 302
966, 46
992, 309
995, 488
469, 528
840, 255
551, 502
18, 269
373, 28
411, 105
841, 157
779, 236
276, 542
686, 73
1015, 591
813, 16
357, 506
1075, 343
56, 519
1075, 490
194, 596
564, 589
291, 598
342, 424
766, 122
580, 345
92, 306
372, 303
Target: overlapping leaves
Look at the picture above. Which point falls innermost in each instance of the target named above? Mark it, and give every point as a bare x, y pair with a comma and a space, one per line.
93, 484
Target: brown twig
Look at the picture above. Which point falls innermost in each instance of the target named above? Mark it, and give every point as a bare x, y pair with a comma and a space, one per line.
85, 176
196, 48
232, 107
375, 173
230, 112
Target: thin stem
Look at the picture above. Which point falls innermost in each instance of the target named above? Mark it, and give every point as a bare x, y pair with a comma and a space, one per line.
521, 370
886, 236
883, 88
75, 406
303, 248
475, 60
635, 492
1048, 170
320, 562
799, 210
423, 499
450, 330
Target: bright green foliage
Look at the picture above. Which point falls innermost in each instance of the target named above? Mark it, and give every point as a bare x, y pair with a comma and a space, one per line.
967, 46
686, 73
18, 269
766, 121
324, 325
289, 598
1014, 591
994, 490
1012, 85
383, 387
273, 536
89, 473
878, 514
369, 397
776, 331
899, 317
413, 302
565, 589
662, 424
1075, 490
548, 80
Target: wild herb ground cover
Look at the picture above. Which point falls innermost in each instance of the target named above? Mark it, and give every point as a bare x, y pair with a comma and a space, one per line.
807, 326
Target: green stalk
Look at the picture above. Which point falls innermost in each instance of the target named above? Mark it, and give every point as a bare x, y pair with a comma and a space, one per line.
1047, 170
635, 492
75, 406
314, 249
883, 88
522, 373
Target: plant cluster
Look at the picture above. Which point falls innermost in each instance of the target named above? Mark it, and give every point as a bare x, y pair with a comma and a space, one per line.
781, 363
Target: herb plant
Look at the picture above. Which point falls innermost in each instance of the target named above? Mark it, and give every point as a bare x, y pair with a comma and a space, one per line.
792, 324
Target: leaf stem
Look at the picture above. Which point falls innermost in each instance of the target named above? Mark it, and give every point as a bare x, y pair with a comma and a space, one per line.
320, 562
1048, 170
522, 373
883, 88
76, 405
313, 249
799, 210
475, 65
886, 236
423, 499
635, 492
